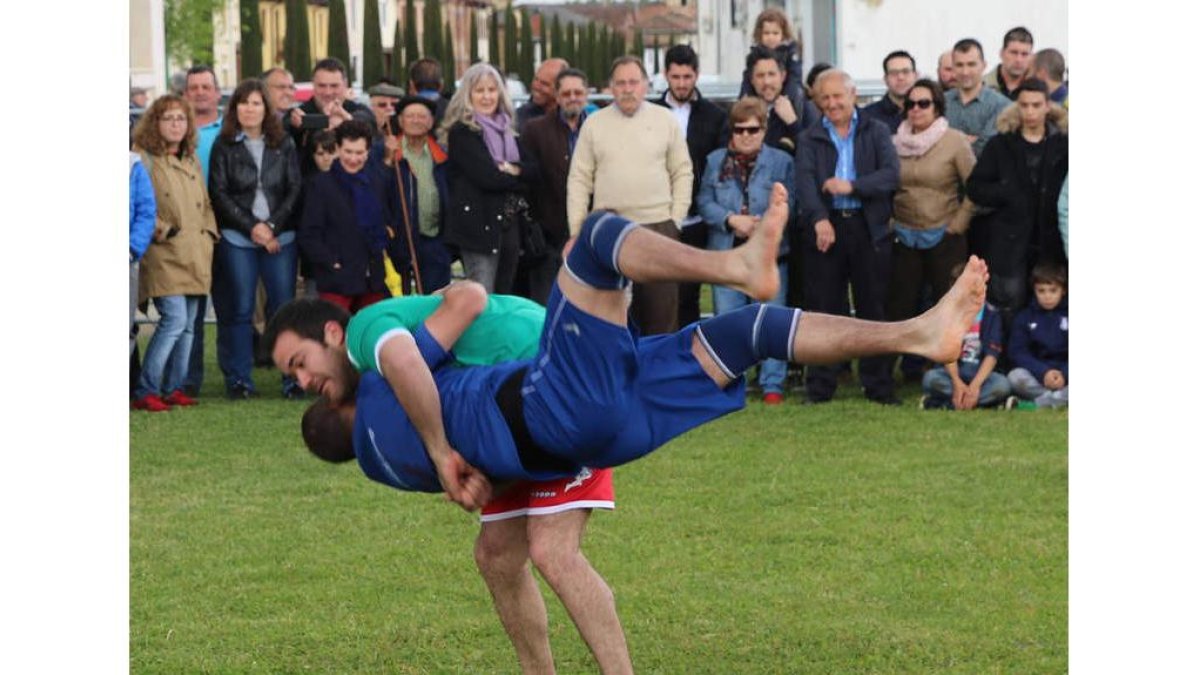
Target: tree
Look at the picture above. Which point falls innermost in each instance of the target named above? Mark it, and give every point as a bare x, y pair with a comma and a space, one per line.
189, 29
432, 30
571, 46
556, 39
296, 52
494, 40
252, 41
510, 41
526, 69
639, 45
411, 51
449, 62
372, 54
339, 32
545, 46
399, 74
474, 54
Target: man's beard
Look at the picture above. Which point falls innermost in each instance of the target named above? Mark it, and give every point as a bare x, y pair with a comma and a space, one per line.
687, 97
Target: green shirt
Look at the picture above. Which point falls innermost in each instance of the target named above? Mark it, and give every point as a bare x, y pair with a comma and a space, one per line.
508, 329
428, 204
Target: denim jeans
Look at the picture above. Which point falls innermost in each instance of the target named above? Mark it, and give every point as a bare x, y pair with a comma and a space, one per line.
771, 372
1028, 387
241, 269
937, 384
133, 298
166, 361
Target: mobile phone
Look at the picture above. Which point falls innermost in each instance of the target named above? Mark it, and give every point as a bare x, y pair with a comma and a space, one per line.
394, 125
314, 121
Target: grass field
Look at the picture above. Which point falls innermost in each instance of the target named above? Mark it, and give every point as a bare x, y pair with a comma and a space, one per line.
843, 538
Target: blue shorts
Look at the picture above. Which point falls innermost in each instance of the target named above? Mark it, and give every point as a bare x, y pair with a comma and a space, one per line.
597, 396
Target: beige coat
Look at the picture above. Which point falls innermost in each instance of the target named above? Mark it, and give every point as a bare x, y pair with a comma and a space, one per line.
929, 186
182, 263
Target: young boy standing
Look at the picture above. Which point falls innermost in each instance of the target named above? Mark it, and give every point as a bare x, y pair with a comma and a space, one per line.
971, 381
1038, 344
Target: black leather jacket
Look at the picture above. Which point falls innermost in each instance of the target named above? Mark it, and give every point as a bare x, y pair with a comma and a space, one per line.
233, 177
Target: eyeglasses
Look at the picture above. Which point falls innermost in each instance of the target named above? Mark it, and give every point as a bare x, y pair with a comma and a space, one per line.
923, 104
174, 119
900, 71
746, 131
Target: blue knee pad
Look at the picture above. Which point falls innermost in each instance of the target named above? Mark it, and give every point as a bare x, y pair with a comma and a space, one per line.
739, 339
593, 260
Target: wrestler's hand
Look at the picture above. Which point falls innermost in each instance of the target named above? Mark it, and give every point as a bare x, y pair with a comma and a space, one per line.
464, 484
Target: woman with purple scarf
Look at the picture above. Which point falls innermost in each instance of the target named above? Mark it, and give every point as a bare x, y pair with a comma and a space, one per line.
485, 178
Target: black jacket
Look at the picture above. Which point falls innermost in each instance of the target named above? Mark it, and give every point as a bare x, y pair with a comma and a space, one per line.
329, 233
547, 151
786, 137
886, 111
357, 110
708, 129
477, 192
233, 178
875, 162
1022, 227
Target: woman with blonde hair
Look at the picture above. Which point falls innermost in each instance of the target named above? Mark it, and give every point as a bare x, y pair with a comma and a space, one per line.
485, 178
176, 270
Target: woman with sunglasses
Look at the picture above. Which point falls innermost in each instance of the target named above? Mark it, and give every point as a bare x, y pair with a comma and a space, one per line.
734, 193
929, 217
177, 267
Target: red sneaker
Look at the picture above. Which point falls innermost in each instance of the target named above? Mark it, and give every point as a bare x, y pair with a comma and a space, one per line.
150, 403
179, 398
772, 399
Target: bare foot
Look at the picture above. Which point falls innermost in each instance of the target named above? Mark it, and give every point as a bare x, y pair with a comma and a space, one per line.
760, 272
943, 326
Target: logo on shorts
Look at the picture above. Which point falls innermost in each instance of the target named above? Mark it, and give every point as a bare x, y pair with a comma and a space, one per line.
585, 474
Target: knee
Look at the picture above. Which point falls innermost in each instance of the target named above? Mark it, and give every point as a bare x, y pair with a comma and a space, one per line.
497, 556
554, 561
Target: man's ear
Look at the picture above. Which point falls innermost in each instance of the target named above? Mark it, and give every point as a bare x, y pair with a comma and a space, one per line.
335, 335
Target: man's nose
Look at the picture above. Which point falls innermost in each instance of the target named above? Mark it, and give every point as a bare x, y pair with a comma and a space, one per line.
303, 378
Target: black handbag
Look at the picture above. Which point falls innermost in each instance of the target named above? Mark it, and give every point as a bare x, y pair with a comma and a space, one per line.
532, 238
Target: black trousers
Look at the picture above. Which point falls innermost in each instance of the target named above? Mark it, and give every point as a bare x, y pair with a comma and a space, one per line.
655, 307
865, 265
689, 293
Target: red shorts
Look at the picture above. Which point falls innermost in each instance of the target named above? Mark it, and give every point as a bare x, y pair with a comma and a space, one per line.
591, 489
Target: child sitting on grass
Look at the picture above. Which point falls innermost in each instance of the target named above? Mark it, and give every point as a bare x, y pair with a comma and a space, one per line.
773, 31
1038, 344
971, 382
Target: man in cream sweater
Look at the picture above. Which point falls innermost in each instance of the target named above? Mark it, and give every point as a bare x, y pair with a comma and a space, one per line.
632, 158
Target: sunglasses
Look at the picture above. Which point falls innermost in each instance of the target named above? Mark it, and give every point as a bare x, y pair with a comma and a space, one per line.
923, 104
746, 131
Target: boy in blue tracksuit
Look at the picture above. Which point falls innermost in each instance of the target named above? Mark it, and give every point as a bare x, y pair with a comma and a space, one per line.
971, 381
1038, 343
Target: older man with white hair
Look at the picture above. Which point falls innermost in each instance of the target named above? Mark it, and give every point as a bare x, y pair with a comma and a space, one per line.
846, 173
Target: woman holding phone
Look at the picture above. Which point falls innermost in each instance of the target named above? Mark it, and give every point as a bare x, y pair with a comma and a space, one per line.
176, 269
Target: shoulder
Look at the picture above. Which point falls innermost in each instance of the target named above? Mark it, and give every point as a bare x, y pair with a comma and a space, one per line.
774, 155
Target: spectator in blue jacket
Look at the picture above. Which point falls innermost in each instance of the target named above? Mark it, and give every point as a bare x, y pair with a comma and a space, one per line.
971, 381
142, 212
734, 193
1038, 344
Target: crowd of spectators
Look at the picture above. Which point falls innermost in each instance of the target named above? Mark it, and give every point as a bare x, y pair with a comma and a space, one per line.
354, 203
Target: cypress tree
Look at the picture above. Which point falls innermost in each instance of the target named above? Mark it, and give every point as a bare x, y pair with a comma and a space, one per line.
432, 30
296, 54
527, 54
556, 39
399, 75
449, 62
372, 50
338, 34
474, 54
494, 40
571, 46
252, 41
510, 41
618, 45
542, 37
412, 52
587, 56
599, 51
639, 45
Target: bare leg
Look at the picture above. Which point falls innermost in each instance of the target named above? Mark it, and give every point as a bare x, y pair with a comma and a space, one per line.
648, 257
502, 555
937, 334
554, 546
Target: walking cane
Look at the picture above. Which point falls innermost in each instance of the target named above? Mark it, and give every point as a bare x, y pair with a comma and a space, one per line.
412, 249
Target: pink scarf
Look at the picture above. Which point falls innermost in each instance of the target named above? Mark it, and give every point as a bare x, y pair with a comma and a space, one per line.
909, 144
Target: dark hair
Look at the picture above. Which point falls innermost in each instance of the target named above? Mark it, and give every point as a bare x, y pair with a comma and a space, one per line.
198, 69
425, 73
774, 15
935, 92
323, 139
146, 135
330, 64
326, 433
570, 72
272, 128
1018, 34
761, 53
966, 44
625, 60
682, 55
1032, 84
816, 71
353, 130
1049, 273
1052, 60
899, 53
306, 317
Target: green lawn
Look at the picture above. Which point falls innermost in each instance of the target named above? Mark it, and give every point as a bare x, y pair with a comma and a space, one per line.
836, 539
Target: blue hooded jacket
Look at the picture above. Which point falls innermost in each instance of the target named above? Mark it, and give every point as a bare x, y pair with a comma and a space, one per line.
1038, 342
